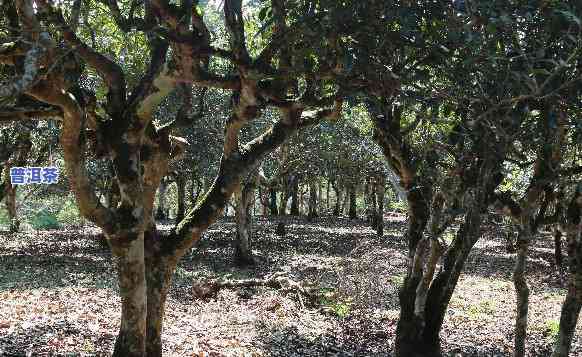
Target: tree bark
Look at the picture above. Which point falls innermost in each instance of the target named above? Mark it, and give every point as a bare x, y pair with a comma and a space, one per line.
573, 302
353, 213
522, 292
312, 214
319, 199
346, 202
558, 252
338, 200
244, 196
273, 202
379, 219
369, 203
409, 328
159, 272
327, 190
443, 286
162, 211
181, 191
129, 251
10, 202
295, 196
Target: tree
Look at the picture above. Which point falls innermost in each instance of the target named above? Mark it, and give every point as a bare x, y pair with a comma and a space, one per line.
139, 150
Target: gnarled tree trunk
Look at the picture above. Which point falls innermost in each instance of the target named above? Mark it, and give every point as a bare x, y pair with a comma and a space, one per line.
244, 197
129, 252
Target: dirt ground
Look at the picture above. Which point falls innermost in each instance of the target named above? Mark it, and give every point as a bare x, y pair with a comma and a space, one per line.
58, 295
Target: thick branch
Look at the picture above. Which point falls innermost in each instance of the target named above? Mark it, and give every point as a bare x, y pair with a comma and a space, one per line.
31, 67
234, 24
20, 114
87, 201
110, 71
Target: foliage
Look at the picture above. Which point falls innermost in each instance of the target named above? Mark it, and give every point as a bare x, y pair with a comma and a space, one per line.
44, 220
69, 214
331, 303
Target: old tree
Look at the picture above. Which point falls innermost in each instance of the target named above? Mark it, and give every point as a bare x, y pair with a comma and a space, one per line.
458, 96
52, 60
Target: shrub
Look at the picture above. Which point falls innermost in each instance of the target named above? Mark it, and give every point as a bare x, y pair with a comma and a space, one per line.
4, 220
69, 214
44, 220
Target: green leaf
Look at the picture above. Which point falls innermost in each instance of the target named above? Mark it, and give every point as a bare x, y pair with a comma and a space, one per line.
264, 12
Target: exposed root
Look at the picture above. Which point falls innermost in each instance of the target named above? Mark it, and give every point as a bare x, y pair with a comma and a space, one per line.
209, 288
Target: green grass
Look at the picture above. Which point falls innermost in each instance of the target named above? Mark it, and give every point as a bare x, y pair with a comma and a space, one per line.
398, 206
332, 304
482, 309
397, 279
553, 329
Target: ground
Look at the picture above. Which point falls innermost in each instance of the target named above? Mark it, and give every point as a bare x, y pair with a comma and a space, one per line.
58, 295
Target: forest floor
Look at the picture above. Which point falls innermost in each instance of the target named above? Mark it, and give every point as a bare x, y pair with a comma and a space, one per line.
58, 295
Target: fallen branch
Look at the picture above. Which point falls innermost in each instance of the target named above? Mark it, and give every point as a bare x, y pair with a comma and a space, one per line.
209, 288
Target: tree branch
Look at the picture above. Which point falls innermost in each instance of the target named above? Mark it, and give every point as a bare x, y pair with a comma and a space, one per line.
234, 24
108, 70
87, 201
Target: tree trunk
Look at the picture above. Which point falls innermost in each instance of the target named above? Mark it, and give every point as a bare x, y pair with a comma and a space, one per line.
159, 272
161, 212
568, 320
409, 328
284, 197
353, 213
573, 303
295, 197
346, 201
368, 193
453, 262
319, 200
10, 202
521, 291
338, 201
380, 208
195, 190
243, 217
312, 200
113, 195
558, 252
129, 251
327, 189
264, 200
374, 206
273, 202
181, 191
